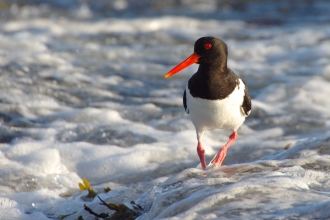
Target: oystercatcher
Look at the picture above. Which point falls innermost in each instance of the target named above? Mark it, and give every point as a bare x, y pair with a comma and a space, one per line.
214, 97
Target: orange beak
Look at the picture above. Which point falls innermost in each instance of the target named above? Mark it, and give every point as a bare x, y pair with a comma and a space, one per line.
193, 58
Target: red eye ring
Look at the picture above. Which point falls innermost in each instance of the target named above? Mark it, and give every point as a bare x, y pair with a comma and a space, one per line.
208, 46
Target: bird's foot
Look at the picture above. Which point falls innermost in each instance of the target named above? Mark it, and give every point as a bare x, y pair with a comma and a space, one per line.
200, 166
218, 158
214, 165
201, 152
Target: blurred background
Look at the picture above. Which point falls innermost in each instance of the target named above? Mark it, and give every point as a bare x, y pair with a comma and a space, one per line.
268, 12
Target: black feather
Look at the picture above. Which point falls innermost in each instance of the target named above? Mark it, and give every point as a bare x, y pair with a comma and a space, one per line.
247, 101
185, 102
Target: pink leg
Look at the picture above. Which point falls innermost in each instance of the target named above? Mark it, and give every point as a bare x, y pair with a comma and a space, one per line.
201, 151
223, 151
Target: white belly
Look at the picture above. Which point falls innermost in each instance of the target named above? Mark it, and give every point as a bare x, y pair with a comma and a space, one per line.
213, 114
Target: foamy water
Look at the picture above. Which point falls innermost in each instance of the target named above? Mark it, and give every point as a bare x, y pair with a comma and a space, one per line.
82, 95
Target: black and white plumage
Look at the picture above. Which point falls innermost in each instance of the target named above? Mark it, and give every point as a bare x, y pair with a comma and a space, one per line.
214, 97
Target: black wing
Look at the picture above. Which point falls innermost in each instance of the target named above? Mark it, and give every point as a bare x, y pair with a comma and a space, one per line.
185, 102
246, 106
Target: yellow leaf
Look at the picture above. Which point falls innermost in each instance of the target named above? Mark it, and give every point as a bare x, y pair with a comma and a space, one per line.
81, 187
87, 185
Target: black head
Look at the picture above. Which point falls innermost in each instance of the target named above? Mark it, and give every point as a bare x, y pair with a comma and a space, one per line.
211, 49
210, 52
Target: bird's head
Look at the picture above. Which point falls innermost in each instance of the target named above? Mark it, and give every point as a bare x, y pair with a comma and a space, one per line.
207, 50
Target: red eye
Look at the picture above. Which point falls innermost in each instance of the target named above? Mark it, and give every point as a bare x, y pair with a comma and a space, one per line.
208, 46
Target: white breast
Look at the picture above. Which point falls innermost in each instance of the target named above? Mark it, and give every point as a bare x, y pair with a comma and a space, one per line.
213, 114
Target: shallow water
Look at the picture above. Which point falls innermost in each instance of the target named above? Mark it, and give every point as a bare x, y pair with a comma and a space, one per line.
82, 95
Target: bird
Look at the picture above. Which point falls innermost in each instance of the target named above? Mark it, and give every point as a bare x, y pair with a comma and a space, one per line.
214, 97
